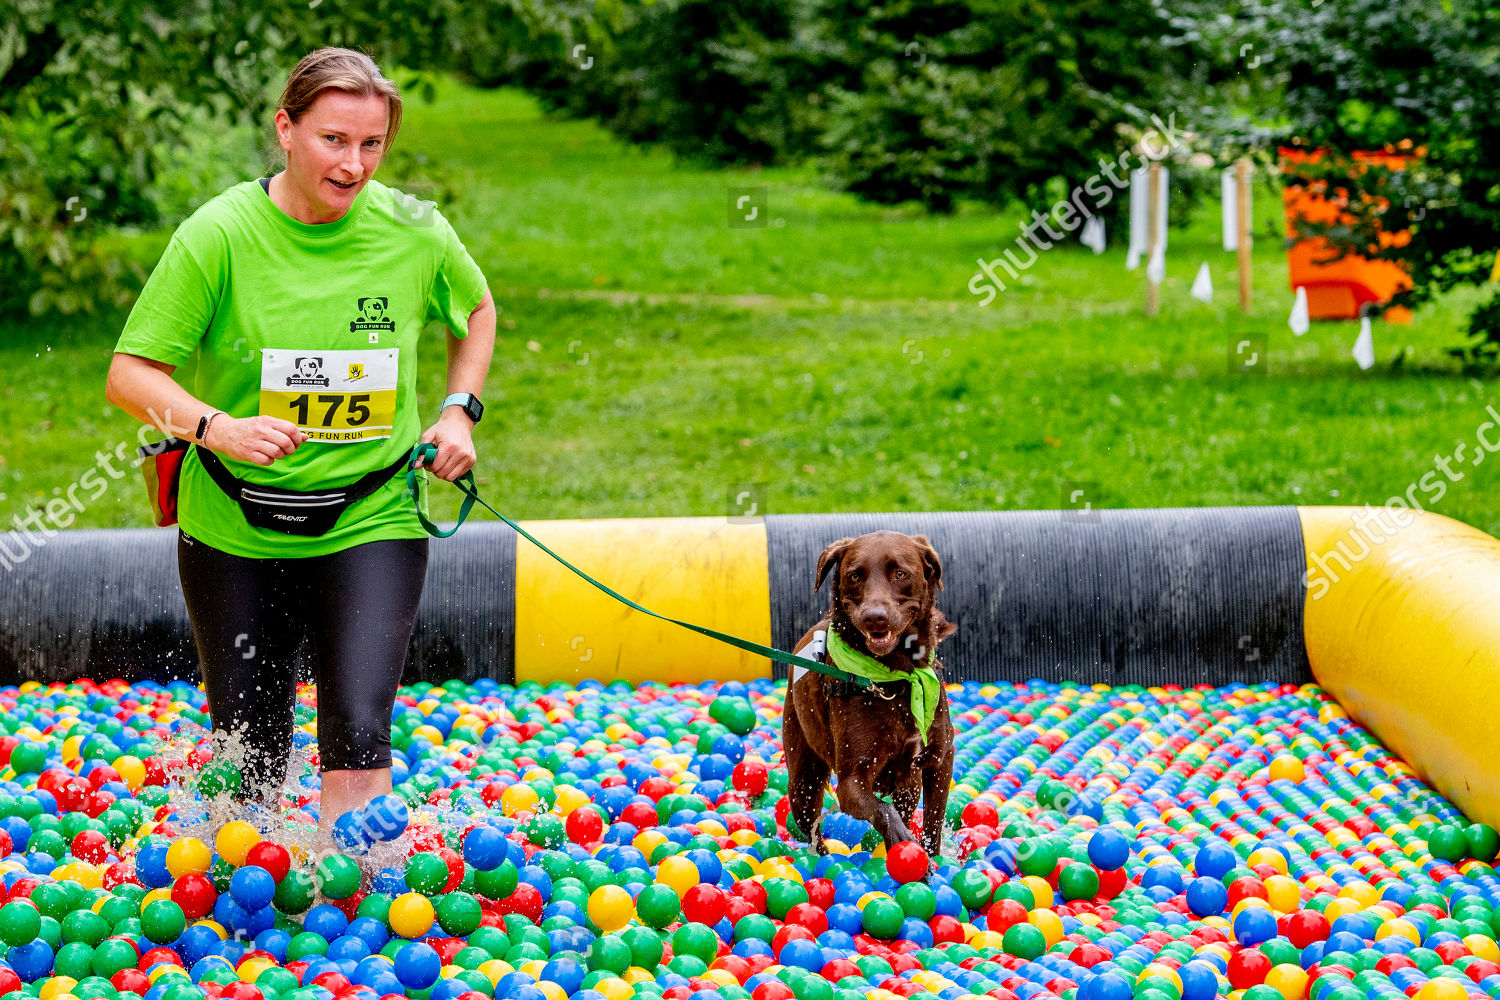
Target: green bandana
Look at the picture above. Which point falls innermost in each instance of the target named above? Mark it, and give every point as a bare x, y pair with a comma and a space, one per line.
926, 689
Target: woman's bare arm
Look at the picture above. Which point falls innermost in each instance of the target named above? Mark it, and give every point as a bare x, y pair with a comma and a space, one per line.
146, 390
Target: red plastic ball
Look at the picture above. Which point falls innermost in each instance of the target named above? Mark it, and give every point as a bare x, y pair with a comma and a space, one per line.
196, 895
703, 904
1245, 887
639, 815
272, 857
773, 990
907, 862
820, 892
91, 846
584, 825
1248, 968
809, 916
749, 776
130, 981
980, 812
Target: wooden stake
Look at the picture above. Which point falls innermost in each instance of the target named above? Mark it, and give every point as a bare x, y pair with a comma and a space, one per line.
1153, 185
1242, 227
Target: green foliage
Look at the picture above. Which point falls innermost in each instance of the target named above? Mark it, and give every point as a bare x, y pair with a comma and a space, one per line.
934, 101
1416, 76
122, 115
961, 99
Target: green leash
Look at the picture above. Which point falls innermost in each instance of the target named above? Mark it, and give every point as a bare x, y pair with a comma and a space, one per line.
465, 484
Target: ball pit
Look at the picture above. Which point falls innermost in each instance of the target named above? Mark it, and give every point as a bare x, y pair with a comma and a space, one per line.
607, 843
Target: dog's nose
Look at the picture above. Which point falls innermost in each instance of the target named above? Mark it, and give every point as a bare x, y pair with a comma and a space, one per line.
876, 618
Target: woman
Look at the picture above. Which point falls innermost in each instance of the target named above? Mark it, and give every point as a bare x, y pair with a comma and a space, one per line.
304, 295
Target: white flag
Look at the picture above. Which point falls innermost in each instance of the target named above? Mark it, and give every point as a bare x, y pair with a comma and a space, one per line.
1229, 192
1093, 234
1298, 320
1203, 285
1156, 267
1140, 234
1364, 346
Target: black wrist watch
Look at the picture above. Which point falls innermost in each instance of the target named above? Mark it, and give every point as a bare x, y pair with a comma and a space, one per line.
473, 408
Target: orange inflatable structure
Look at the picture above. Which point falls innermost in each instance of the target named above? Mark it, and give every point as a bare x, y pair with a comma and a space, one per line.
1338, 288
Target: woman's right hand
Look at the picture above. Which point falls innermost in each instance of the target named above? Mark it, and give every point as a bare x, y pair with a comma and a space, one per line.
258, 439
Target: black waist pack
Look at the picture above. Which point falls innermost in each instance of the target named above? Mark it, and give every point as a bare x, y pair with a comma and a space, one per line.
292, 511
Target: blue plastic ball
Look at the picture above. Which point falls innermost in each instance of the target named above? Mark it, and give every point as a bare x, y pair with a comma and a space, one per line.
418, 965
484, 848
1108, 849
252, 887
1207, 896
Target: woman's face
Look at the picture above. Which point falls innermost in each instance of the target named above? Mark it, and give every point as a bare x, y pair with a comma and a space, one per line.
334, 150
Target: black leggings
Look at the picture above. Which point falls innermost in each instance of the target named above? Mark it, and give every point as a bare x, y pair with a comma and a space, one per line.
250, 615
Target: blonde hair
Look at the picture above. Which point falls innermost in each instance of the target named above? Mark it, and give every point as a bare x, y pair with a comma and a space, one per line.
346, 70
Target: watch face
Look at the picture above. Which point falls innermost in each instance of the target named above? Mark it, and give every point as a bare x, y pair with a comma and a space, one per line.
474, 408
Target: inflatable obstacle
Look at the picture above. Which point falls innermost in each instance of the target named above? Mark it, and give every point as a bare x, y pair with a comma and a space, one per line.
1396, 613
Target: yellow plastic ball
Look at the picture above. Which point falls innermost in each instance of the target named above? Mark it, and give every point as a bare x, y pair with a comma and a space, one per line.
518, 799
1341, 906
496, 968
551, 990
1040, 891
618, 989
1158, 971
1482, 946
1268, 856
723, 977
569, 798
131, 770
1283, 893
1048, 922
1288, 980
1442, 989
679, 873
57, 986
411, 914
1362, 893
648, 840
252, 967
610, 907
188, 856
1403, 928
1285, 767
235, 840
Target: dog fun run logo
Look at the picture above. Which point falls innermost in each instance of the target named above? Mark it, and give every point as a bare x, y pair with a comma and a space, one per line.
372, 317
309, 371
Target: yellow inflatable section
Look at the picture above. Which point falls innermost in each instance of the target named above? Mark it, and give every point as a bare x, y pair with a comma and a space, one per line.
1403, 628
710, 571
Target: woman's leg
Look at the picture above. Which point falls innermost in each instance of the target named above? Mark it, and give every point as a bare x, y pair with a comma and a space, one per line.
246, 638
366, 598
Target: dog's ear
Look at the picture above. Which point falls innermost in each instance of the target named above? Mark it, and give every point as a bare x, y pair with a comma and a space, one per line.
942, 627
932, 566
830, 557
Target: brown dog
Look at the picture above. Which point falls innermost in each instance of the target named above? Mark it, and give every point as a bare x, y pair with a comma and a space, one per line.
882, 603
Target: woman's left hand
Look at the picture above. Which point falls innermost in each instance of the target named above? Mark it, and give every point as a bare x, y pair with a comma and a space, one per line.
454, 436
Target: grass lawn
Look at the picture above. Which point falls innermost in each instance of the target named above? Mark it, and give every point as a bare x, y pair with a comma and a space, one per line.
652, 359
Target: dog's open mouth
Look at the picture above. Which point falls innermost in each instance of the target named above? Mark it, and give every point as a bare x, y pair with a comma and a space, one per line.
880, 642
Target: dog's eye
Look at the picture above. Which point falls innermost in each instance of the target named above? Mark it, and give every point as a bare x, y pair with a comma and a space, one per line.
900, 574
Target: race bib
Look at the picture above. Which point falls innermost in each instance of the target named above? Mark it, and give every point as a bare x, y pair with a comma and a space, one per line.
332, 396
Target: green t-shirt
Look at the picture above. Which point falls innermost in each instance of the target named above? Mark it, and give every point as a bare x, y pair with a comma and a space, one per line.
317, 324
